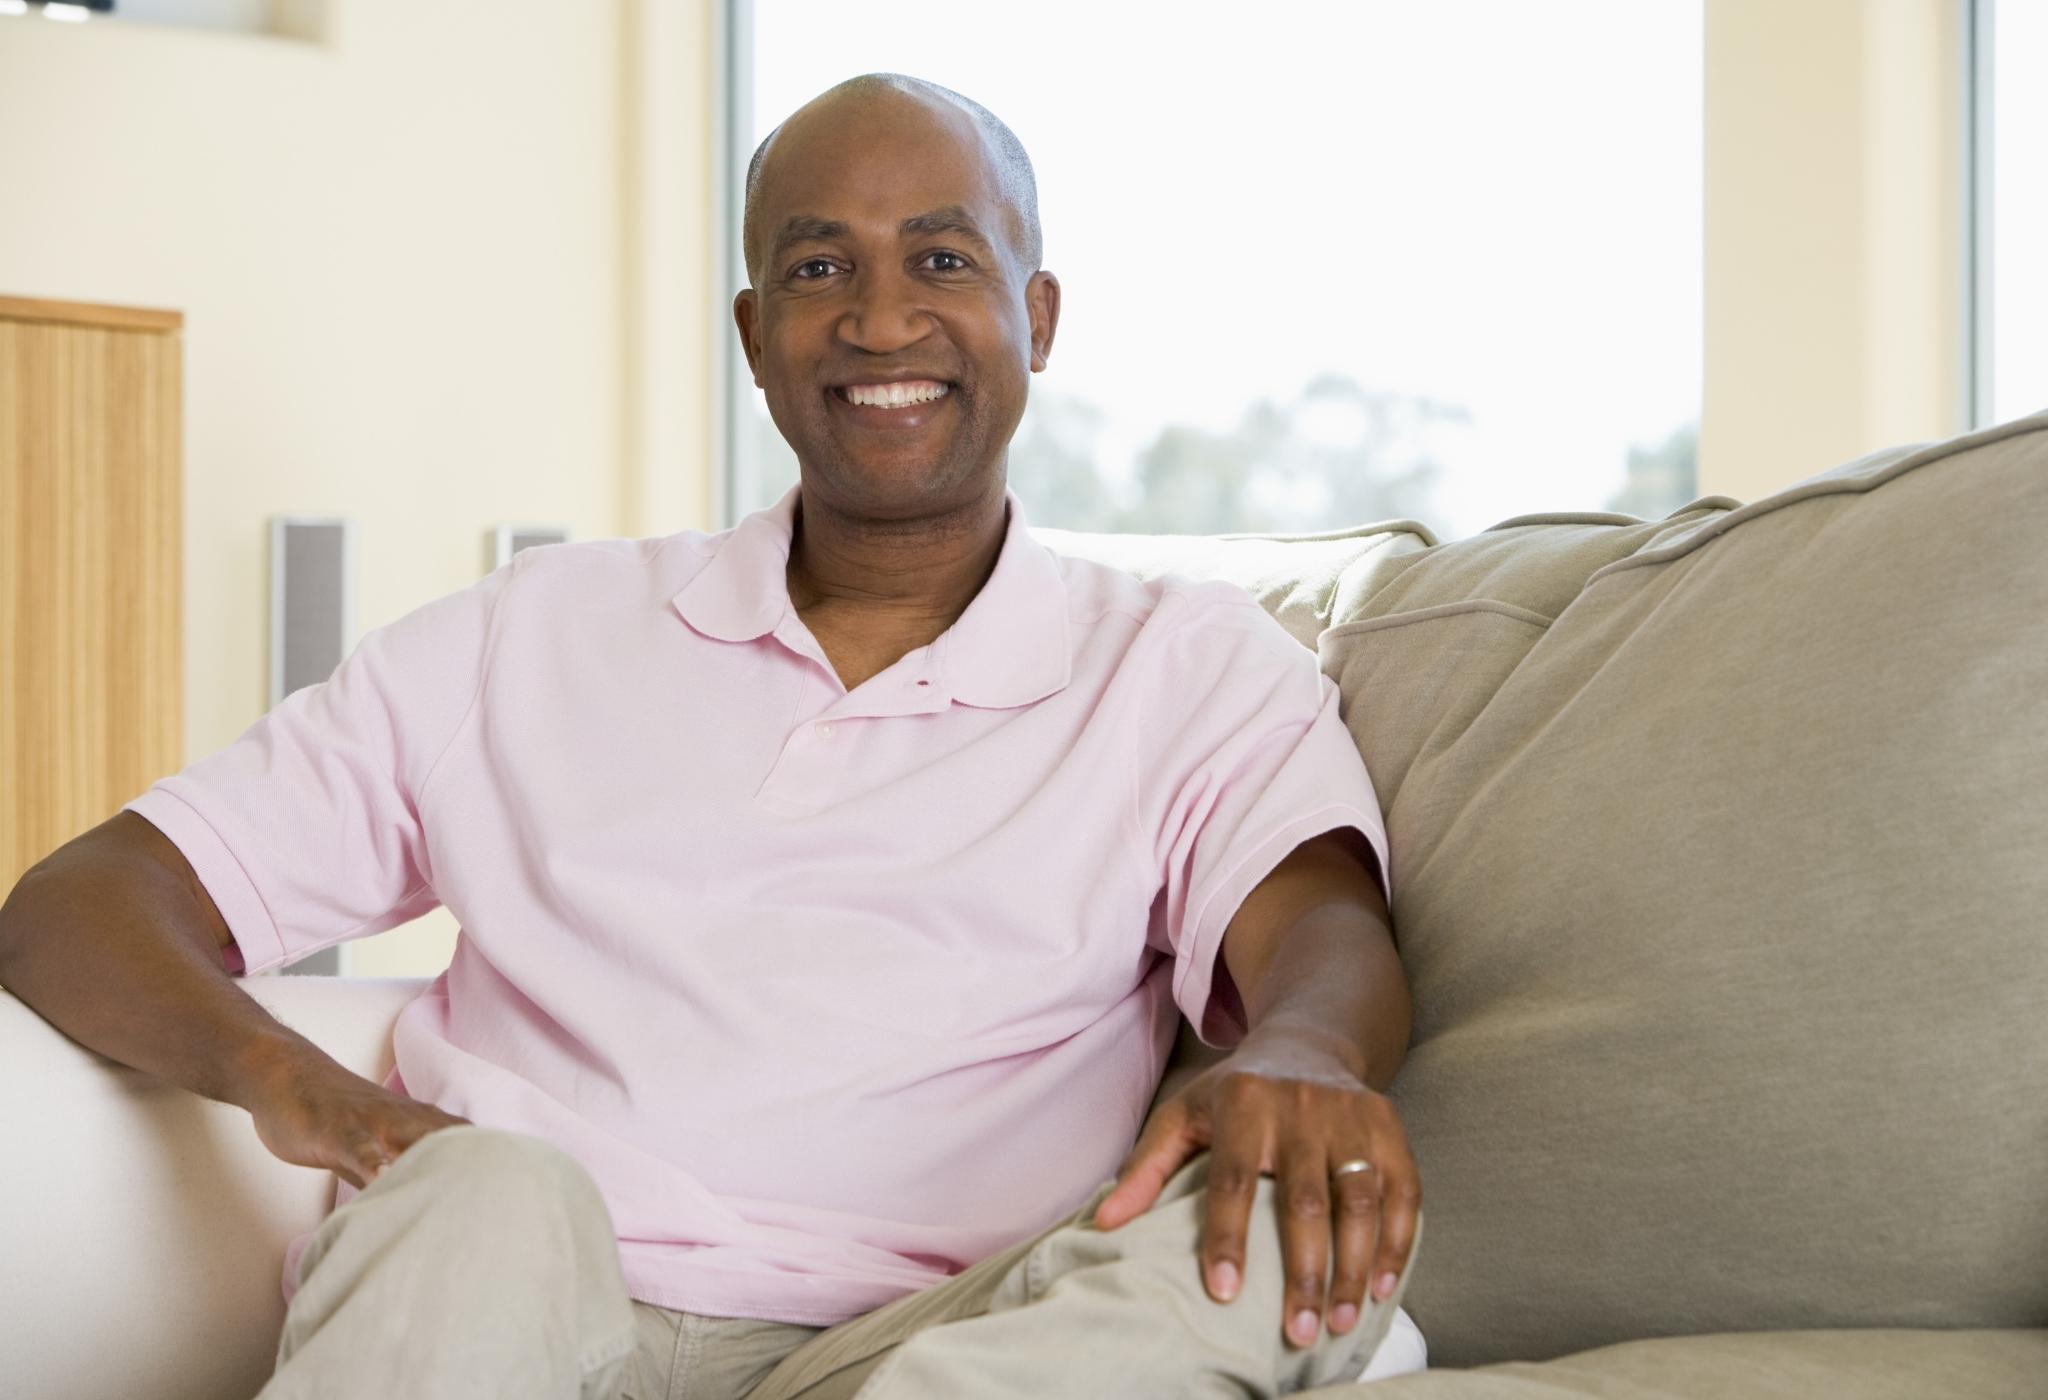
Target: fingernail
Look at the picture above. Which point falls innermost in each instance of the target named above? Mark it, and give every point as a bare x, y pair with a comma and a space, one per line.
1342, 1316
1384, 1289
1223, 1280
1303, 1327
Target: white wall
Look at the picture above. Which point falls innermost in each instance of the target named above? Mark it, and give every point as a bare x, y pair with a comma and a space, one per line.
452, 265
1835, 198
404, 254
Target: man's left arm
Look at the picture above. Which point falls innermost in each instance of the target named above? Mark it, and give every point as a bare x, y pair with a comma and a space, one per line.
1311, 952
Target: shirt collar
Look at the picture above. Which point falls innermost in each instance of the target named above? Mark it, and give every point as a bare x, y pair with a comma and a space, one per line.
1010, 647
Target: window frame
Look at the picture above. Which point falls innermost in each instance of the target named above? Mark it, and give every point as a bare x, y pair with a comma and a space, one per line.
1980, 26
1973, 275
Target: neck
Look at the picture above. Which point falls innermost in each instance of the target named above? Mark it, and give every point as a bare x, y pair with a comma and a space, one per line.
889, 575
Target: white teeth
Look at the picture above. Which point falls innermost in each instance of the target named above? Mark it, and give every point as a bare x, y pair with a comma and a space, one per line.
896, 395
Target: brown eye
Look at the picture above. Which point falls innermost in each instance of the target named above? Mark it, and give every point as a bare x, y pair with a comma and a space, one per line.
959, 263
813, 262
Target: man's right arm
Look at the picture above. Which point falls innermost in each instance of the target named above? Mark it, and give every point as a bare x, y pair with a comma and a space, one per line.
112, 939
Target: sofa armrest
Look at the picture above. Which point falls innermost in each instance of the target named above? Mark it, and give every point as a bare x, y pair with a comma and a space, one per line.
145, 1226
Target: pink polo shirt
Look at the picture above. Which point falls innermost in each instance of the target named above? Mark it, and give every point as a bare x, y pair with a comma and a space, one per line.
833, 993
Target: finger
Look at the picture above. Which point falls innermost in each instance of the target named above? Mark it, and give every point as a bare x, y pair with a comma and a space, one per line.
439, 1124
404, 1139
1234, 1161
1168, 1141
365, 1158
1304, 1200
1402, 1205
1355, 1197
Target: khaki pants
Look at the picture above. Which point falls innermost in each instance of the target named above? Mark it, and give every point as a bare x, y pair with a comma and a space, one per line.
483, 1263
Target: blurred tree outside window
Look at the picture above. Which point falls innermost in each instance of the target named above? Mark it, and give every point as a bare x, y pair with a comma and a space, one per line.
1325, 263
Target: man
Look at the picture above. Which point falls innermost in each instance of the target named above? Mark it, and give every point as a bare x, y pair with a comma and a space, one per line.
830, 889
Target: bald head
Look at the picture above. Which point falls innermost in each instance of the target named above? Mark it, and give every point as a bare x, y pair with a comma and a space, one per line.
1009, 167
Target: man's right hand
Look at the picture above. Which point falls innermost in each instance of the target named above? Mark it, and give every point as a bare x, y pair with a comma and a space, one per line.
321, 1115
113, 939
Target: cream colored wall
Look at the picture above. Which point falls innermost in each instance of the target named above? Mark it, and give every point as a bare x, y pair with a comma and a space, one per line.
405, 256
1835, 196
676, 322
453, 265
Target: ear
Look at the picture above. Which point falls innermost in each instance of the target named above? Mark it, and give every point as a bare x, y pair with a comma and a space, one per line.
1042, 300
746, 314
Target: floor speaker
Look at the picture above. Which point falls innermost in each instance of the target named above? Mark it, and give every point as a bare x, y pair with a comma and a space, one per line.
312, 627
508, 540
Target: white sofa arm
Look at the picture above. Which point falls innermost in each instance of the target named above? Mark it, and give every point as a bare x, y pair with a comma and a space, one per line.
144, 1227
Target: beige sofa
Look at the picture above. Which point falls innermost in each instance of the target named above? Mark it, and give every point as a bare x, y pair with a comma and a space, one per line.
1720, 854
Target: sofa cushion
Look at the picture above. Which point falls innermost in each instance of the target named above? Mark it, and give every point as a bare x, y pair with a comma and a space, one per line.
1449, 623
1301, 579
1719, 881
1850, 1365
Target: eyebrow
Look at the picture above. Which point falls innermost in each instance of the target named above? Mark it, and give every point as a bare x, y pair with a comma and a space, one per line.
809, 228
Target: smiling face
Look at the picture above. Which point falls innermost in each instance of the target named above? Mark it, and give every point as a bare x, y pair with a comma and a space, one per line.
893, 324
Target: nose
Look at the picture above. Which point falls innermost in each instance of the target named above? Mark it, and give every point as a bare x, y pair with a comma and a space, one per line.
885, 313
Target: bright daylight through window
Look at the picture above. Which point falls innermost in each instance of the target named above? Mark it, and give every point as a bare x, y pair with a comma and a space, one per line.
1324, 263
2019, 210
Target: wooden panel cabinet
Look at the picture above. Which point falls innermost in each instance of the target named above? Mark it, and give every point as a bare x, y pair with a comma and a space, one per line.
91, 669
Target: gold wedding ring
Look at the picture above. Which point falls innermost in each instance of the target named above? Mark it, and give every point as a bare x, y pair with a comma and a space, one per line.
1356, 1164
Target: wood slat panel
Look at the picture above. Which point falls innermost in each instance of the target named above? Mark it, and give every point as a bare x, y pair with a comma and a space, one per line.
89, 313
91, 706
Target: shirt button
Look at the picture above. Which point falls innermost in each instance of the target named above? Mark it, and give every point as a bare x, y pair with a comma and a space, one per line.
825, 731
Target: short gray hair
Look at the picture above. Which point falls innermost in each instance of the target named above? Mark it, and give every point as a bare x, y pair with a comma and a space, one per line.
1013, 167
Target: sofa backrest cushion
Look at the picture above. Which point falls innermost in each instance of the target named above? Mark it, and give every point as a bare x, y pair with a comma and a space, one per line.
1303, 580
1717, 846
1726, 914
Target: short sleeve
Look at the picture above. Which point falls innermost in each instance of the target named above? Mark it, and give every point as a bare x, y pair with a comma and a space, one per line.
1251, 759
306, 830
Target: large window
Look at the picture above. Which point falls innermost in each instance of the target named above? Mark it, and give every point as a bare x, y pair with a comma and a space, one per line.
1323, 263
2018, 214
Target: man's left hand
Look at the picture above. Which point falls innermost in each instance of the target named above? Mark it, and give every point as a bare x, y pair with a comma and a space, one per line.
1277, 1108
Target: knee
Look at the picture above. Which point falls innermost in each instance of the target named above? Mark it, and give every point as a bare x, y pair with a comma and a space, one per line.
503, 1175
